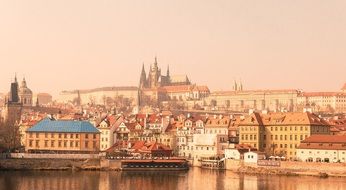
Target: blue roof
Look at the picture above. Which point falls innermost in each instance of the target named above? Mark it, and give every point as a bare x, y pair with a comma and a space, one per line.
61, 126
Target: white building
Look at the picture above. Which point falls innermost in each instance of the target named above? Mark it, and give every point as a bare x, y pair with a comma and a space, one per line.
253, 157
323, 148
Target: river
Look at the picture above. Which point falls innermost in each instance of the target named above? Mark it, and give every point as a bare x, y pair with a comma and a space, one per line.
195, 178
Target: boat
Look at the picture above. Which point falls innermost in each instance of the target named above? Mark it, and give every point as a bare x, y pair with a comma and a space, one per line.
215, 164
173, 164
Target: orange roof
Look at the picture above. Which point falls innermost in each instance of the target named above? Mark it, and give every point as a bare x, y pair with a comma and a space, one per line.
291, 118
325, 139
324, 142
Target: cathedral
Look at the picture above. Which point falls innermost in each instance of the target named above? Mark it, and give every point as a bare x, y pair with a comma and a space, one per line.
155, 79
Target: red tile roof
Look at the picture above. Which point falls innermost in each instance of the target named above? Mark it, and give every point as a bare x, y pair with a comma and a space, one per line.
325, 139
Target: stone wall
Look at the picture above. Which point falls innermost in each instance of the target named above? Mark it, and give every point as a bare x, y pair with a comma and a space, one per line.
55, 156
307, 168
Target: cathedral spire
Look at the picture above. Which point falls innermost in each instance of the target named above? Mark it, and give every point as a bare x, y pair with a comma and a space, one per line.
15, 78
168, 71
155, 61
143, 77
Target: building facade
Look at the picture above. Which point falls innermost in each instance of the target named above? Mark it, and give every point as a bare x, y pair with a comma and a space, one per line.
323, 148
56, 136
279, 134
244, 100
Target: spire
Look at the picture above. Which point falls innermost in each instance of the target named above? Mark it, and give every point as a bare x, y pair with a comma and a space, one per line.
168, 71
235, 87
142, 79
15, 77
241, 85
37, 102
155, 63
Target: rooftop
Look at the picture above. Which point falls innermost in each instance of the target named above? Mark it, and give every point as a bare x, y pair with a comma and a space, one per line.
51, 125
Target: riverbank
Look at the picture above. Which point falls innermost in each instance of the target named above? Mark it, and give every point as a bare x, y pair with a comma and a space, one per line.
288, 168
236, 166
49, 164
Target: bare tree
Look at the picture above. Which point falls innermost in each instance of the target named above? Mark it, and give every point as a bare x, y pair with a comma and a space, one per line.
9, 135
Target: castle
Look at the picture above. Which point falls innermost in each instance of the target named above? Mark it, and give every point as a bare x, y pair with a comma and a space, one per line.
155, 79
157, 88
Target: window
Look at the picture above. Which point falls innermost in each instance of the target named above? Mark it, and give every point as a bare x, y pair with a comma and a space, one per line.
37, 134
86, 136
30, 143
71, 136
77, 136
65, 143
94, 144
86, 144
46, 135
45, 143
65, 135
59, 143
37, 143
52, 143
94, 136
30, 135
59, 135
52, 135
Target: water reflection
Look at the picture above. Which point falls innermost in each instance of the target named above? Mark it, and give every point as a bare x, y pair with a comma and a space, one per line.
194, 179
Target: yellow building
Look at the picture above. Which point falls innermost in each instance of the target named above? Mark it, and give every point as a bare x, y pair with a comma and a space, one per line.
50, 135
279, 134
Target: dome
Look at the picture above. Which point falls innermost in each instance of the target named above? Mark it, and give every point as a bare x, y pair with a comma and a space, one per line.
24, 90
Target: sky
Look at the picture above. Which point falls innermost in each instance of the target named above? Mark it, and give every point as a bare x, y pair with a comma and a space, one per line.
63, 45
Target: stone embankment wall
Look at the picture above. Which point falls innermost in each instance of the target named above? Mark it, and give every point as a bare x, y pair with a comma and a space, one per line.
289, 168
59, 164
54, 156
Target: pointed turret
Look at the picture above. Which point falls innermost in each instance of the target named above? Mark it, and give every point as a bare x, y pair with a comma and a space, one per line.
235, 87
168, 71
143, 78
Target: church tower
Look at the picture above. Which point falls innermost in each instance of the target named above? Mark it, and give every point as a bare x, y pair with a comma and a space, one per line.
25, 94
13, 108
154, 75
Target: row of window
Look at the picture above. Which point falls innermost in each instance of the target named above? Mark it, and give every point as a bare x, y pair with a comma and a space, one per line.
196, 148
280, 145
274, 137
326, 152
61, 135
65, 144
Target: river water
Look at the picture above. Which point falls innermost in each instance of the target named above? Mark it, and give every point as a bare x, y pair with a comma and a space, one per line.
195, 178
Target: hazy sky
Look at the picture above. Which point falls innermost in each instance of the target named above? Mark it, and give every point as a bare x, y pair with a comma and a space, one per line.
69, 44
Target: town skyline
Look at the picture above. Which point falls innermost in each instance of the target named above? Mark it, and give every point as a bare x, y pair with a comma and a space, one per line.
268, 45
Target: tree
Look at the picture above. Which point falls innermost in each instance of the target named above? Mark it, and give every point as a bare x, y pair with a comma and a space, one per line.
9, 136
